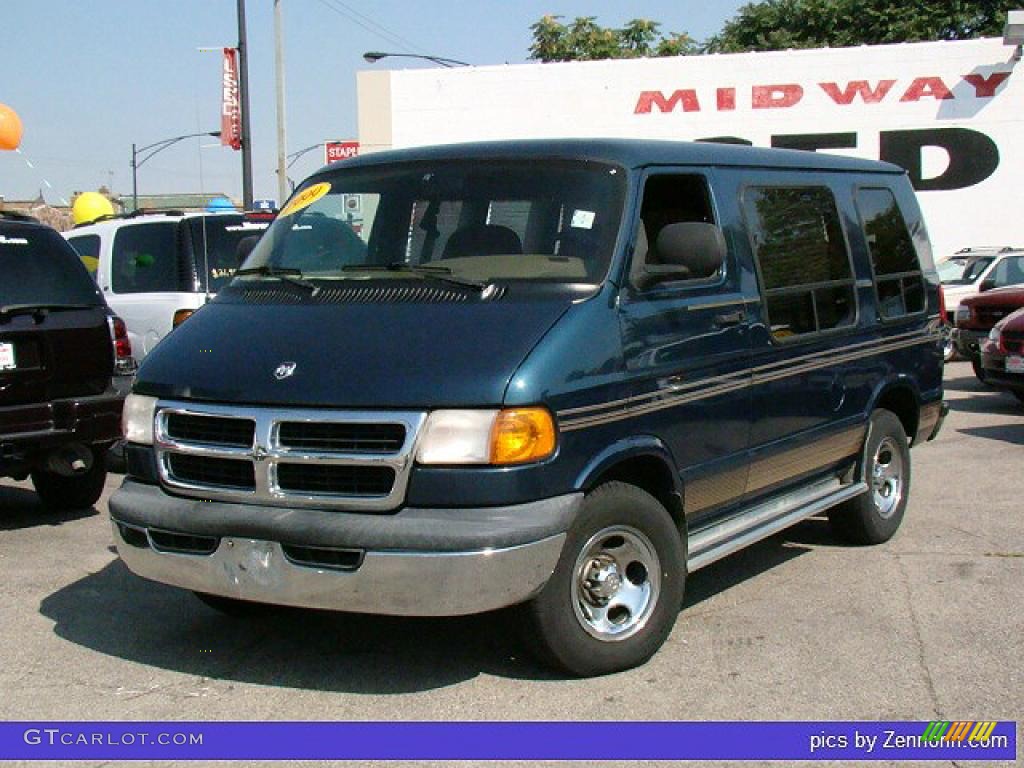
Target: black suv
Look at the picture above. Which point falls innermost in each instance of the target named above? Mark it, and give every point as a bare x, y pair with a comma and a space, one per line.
59, 342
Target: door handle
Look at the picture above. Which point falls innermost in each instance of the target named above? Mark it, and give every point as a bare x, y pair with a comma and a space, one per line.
730, 318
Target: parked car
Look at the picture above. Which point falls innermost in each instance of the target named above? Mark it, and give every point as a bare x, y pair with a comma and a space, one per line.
562, 374
156, 269
975, 318
59, 408
958, 273
1002, 354
982, 272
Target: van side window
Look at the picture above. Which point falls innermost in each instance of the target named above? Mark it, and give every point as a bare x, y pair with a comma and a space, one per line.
88, 249
802, 256
899, 284
145, 259
668, 199
1007, 271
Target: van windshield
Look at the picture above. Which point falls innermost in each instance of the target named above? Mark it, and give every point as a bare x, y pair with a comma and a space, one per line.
534, 219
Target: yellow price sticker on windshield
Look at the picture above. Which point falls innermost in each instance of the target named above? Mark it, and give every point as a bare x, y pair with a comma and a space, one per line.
306, 197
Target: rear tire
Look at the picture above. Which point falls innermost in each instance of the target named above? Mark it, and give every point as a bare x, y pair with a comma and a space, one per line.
617, 588
75, 492
874, 516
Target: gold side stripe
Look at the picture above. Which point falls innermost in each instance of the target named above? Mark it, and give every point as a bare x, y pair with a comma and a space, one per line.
726, 486
672, 397
826, 355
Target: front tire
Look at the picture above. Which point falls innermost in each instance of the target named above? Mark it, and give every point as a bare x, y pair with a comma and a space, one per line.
58, 492
617, 588
874, 516
979, 371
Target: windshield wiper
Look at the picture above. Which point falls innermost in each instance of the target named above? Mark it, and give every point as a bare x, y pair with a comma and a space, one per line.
288, 274
39, 311
435, 271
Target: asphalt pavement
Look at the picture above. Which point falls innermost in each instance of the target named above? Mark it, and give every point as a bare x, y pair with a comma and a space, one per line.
928, 626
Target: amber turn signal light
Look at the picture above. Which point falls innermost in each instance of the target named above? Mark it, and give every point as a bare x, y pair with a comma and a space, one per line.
181, 316
521, 435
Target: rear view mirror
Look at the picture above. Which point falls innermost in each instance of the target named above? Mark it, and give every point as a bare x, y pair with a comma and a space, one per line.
692, 250
987, 285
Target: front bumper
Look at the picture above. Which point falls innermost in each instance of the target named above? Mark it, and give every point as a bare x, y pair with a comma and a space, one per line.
996, 374
416, 562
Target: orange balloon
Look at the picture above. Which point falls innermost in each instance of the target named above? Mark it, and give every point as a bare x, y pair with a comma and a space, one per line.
10, 128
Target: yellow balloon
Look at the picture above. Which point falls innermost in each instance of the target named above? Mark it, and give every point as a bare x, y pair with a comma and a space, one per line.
89, 206
10, 128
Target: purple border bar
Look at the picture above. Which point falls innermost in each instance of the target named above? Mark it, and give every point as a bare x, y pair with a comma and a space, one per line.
838, 740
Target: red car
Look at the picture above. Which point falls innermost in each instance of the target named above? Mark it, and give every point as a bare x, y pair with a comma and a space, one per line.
975, 318
1002, 354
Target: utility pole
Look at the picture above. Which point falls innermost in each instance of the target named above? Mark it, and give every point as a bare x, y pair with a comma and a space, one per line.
282, 146
243, 93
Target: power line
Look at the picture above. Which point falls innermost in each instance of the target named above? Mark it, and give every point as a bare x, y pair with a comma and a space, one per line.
368, 24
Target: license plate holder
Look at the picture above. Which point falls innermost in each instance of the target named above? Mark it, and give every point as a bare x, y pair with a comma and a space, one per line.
1015, 364
7, 360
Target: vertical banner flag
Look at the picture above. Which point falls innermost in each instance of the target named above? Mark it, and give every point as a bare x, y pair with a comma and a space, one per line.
231, 106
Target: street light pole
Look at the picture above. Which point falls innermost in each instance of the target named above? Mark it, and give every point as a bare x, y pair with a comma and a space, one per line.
156, 146
374, 56
243, 94
282, 146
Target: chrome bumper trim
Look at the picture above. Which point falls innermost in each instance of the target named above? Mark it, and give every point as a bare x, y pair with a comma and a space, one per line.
392, 582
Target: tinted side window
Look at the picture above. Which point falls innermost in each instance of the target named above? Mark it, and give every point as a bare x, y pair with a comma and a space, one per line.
88, 248
1008, 271
898, 280
145, 259
802, 258
37, 266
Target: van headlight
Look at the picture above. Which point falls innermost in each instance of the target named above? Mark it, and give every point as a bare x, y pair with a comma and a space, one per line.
963, 314
994, 335
137, 419
509, 436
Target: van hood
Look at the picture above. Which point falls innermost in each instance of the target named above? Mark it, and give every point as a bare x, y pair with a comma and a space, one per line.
355, 355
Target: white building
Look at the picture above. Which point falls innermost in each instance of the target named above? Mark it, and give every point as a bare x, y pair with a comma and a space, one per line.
951, 113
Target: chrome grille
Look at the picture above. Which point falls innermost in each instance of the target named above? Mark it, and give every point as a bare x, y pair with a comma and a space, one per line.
346, 438
215, 430
354, 460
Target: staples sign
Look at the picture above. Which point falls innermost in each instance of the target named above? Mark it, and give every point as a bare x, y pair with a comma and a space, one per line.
340, 150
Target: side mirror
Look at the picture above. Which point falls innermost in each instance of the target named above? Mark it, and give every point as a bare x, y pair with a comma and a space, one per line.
692, 250
987, 285
244, 248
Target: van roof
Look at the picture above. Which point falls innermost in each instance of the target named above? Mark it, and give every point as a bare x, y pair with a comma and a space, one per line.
630, 153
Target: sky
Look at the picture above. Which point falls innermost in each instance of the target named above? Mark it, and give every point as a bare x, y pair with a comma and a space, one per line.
90, 78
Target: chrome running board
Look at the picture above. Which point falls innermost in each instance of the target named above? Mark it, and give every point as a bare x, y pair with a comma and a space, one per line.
718, 540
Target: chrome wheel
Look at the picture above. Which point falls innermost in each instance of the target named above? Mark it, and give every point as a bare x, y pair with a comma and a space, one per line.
616, 583
887, 477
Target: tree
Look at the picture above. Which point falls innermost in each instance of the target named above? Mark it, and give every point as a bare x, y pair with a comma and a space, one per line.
781, 24
585, 40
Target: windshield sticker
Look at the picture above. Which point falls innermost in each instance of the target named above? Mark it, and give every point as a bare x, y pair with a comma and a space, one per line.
306, 197
13, 240
583, 219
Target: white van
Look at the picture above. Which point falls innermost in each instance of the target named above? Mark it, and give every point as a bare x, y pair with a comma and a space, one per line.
155, 269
